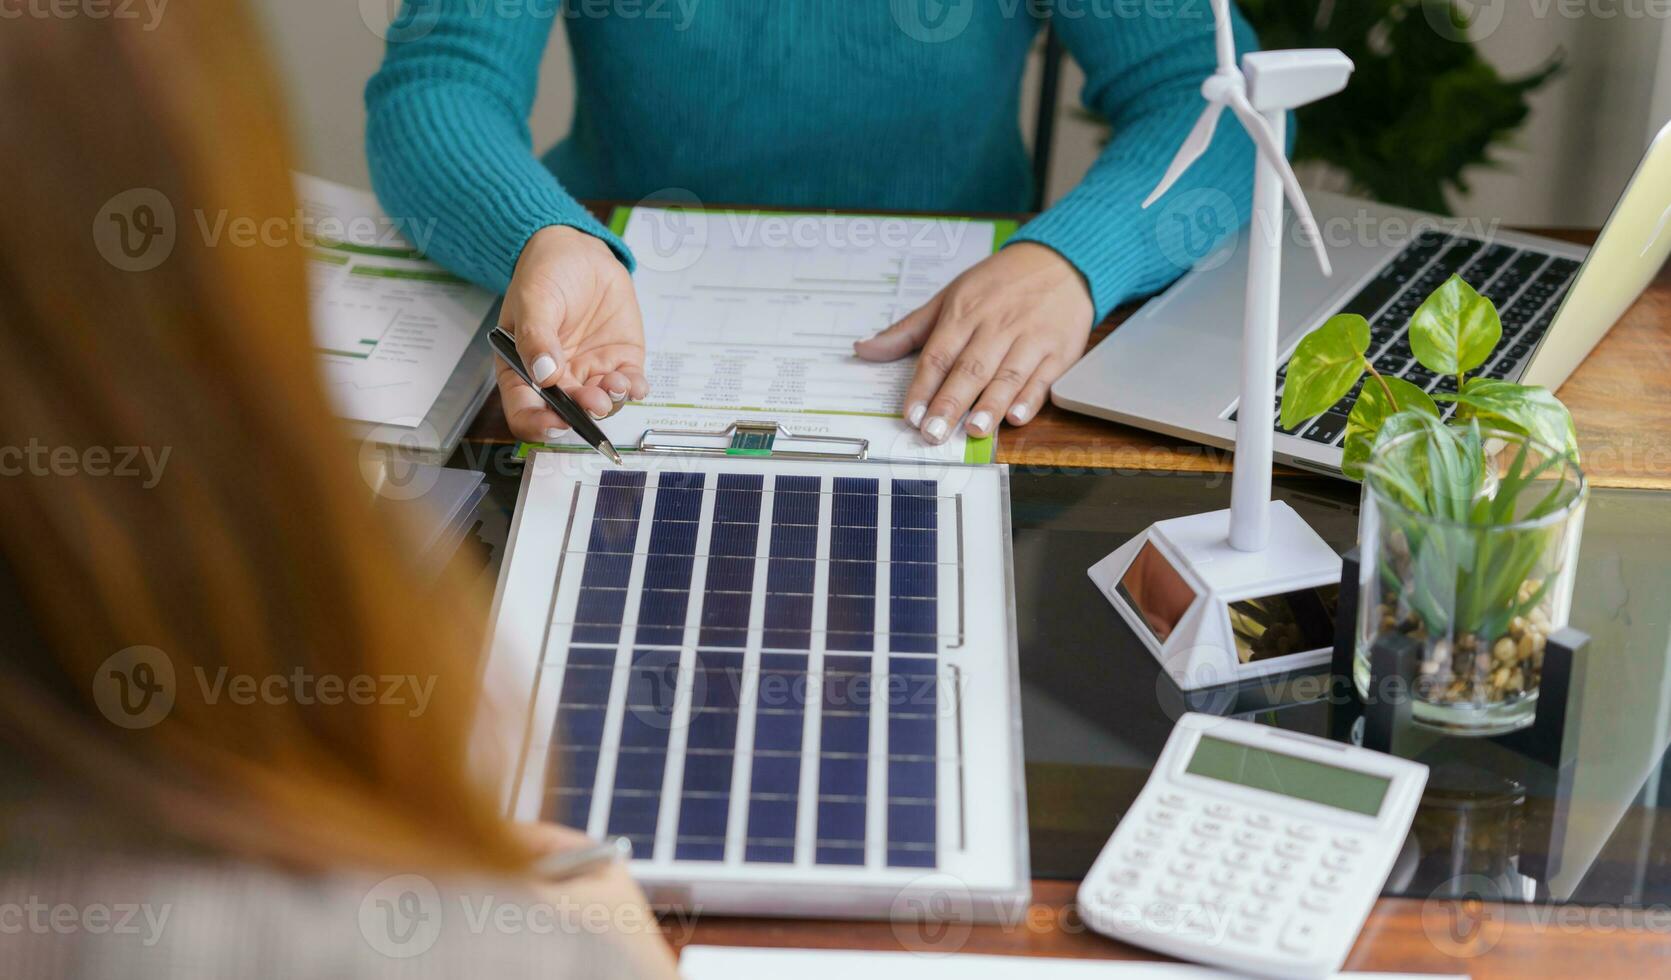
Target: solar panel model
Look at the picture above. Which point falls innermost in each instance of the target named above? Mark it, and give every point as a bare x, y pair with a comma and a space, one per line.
791, 683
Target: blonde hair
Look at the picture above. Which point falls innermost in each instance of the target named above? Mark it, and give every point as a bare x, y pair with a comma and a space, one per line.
252, 549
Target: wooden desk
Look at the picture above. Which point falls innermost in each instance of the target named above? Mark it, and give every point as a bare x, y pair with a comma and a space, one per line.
1620, 398
1507, 943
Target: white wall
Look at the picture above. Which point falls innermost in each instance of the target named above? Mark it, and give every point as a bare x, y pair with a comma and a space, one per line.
1586, 132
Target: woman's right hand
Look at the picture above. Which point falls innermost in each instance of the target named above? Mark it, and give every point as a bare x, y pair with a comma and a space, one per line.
575, 317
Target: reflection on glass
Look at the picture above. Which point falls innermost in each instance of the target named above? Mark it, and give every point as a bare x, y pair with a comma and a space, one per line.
1284, 624
1155, 589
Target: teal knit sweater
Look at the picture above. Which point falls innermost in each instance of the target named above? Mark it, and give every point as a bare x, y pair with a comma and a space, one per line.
852, 104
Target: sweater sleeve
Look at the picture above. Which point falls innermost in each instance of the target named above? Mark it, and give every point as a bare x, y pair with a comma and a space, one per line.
448, 142
1144, 75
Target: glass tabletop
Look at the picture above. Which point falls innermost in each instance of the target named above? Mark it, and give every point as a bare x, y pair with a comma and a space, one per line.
1493, 823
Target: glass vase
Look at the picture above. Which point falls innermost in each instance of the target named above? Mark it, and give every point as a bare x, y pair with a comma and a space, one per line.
1479, 589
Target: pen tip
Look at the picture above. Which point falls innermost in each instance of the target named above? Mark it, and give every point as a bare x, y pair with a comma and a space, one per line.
609, 450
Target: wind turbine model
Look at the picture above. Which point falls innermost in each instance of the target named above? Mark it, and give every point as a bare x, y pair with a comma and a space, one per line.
1223, 596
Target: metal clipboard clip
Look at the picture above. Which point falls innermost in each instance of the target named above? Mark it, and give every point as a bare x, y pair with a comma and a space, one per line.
749, 438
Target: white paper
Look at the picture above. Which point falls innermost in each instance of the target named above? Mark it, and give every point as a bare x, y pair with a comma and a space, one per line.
733, 963
388, 324
753, 315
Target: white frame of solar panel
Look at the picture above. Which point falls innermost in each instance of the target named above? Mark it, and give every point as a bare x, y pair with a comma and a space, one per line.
982, 869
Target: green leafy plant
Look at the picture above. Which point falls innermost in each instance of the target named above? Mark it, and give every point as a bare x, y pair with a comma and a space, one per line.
1380, 132
1464, 563
1452, 333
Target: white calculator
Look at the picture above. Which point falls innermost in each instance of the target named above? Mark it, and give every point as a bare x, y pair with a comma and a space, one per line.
1253, 848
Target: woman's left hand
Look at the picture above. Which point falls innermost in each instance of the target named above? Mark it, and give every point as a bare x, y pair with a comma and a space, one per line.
993, 341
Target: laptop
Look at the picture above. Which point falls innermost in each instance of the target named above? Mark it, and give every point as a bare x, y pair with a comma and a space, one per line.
1175, 366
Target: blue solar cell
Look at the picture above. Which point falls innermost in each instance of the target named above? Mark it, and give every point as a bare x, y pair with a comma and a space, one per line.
842, 776
911, 823
730, 575
610, 536
725, 619
778, 730
775, 775
794, 541
703, 816
909, 581
712, 729
607, 571
795, 500
771, 819
597, 615
911, 735
914, 546
640, 770
708, 772
732, 540
911, 779
586, 684
841, 820
845, 733
851, 623
788, 622
853, 578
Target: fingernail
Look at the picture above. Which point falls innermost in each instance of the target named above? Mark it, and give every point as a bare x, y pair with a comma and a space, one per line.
936, 429
981, 422
543, 367
553, 435
618, 396
1020, 410
915, 415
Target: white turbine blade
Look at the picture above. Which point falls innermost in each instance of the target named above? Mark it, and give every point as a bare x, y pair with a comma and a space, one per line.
1226, 40
1258, 128
1200, 137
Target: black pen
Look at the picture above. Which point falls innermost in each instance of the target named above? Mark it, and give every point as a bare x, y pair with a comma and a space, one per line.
566, 408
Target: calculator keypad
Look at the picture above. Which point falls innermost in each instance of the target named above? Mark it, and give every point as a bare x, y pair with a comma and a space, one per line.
1214, 868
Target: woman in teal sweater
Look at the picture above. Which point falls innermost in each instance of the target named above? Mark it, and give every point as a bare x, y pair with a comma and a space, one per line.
895, 104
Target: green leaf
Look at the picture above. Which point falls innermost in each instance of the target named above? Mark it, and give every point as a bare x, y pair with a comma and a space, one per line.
1370, 413
1324, 368
1525, 409
1455, 329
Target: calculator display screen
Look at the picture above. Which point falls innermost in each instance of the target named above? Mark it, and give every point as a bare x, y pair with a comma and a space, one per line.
1302, 779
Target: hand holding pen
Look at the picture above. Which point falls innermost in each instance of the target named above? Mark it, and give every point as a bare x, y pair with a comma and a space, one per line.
559, 401
571, 308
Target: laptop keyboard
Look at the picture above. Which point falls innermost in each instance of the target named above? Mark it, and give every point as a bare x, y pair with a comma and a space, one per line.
1527, 287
